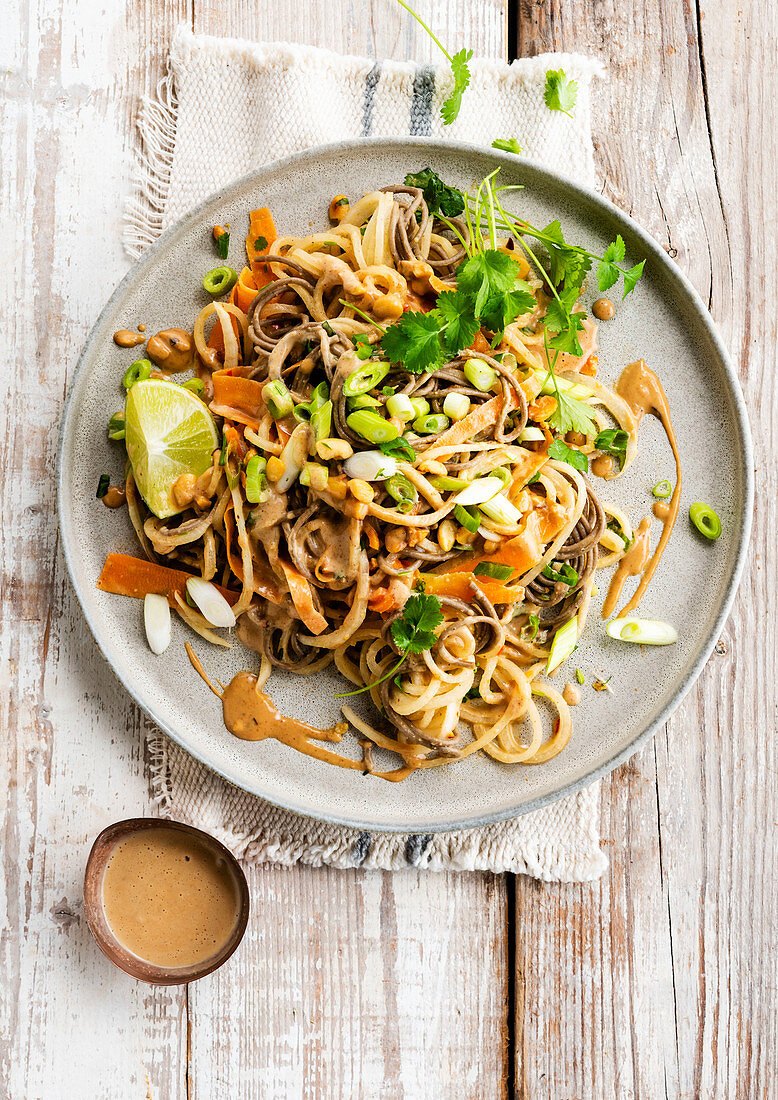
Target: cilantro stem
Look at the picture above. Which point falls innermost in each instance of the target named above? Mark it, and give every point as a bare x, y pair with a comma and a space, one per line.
361, 312
421, 23
375, 683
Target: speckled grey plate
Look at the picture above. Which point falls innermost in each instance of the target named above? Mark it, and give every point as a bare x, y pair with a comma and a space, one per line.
664, 322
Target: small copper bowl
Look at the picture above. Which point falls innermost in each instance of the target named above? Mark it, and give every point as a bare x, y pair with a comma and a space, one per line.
102, 849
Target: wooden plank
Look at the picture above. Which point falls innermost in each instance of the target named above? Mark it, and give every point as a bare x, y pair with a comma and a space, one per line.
660, 981
359, 984
70, 1025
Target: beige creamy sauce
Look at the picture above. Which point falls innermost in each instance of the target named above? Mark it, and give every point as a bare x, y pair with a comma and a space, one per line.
642, 391
126, 338
602, 466
631, 565
571, 694
604, 309
661, 510
168, 898
172, 350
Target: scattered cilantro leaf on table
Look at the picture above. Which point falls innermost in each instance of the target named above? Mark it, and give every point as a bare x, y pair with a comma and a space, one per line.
560, 92
508, 145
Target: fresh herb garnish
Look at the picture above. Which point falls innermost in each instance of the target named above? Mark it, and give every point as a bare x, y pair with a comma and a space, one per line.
414, 341
573, 457
493, 569
103, 485
361, 342
439, 197
398, 448
534, 625
560, 92
413, 632
459, 68
260, 244
608, 269
613, 441
508, 145
459, 322
223, 245
564, 575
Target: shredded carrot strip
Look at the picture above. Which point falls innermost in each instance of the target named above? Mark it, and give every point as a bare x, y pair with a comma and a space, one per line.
456, 586
261, 227
127, 576
302, 598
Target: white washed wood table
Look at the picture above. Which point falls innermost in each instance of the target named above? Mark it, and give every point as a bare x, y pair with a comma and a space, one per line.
658, 981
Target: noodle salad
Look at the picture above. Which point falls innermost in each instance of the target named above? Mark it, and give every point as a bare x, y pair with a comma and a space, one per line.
381, 462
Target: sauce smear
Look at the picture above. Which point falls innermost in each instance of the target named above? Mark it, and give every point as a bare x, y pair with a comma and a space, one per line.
126, 338
172, 350
168, 898
631, 565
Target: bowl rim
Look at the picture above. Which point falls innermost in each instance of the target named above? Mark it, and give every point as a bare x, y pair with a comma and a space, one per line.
111, 946
741, 534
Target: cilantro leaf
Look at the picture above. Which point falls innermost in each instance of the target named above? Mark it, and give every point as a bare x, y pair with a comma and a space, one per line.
562, 453
414, 630
460, 324
631, 277
560, 92
398, 448
613, 441
503, 309
223, 245
486, 275
414, 342
439, 197
572, 415
561, 319
260, 244
508, 145
607, 269
461, 71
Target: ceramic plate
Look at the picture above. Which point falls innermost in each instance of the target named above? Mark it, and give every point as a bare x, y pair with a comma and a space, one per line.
664, 321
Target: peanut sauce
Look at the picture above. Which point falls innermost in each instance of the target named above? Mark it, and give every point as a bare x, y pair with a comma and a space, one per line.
661, 510
126, 338
643, 392
604, 309
602, 466
631, 565
172, 350
169, 898
114, 497
571, 694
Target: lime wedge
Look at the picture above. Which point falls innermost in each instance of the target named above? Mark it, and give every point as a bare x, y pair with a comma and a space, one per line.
170, 432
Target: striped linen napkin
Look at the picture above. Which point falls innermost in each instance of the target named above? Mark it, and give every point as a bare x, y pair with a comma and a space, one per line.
213, 119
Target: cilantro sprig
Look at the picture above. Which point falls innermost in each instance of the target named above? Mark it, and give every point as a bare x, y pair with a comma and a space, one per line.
459, 68
508, 145
412, 632
560, 92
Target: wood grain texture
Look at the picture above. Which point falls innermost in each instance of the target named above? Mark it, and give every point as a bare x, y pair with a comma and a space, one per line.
661, 980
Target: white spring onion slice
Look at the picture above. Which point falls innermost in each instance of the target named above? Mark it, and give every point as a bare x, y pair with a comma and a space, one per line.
400, 405
480, 374
370, 466
457, 405
531, 435
501, 510
293, 456
210, 602
642, 631
156, 619
481, 490
563, 644
563, 384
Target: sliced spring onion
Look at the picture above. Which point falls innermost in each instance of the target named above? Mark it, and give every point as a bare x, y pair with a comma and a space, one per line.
372, 427
493, 569
563, 644
502, 473
219, 280
662, 489
467, 518
533, 625
293, 456
401, 490
138, 371
509, 361
195, 385
642, 631
116, 428
156, 619
431, 424
363, 401
209, 602
421, 405
370, 466
445, 484
256, 480
480, 374
531, 435
705, 520
365, 378
362, 345
565, 574
103, 485
481, 490
278, 399
456, 406
547, 386
401, 406
501, 510
321, 421
580, 678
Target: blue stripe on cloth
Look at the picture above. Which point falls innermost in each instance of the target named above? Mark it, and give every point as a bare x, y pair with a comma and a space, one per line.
415, 847
360, 849
371, 83
421, 104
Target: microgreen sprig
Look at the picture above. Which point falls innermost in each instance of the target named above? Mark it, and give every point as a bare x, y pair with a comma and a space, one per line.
459, 69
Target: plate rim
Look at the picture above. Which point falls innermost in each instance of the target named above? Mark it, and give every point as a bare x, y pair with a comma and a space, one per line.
742, 533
